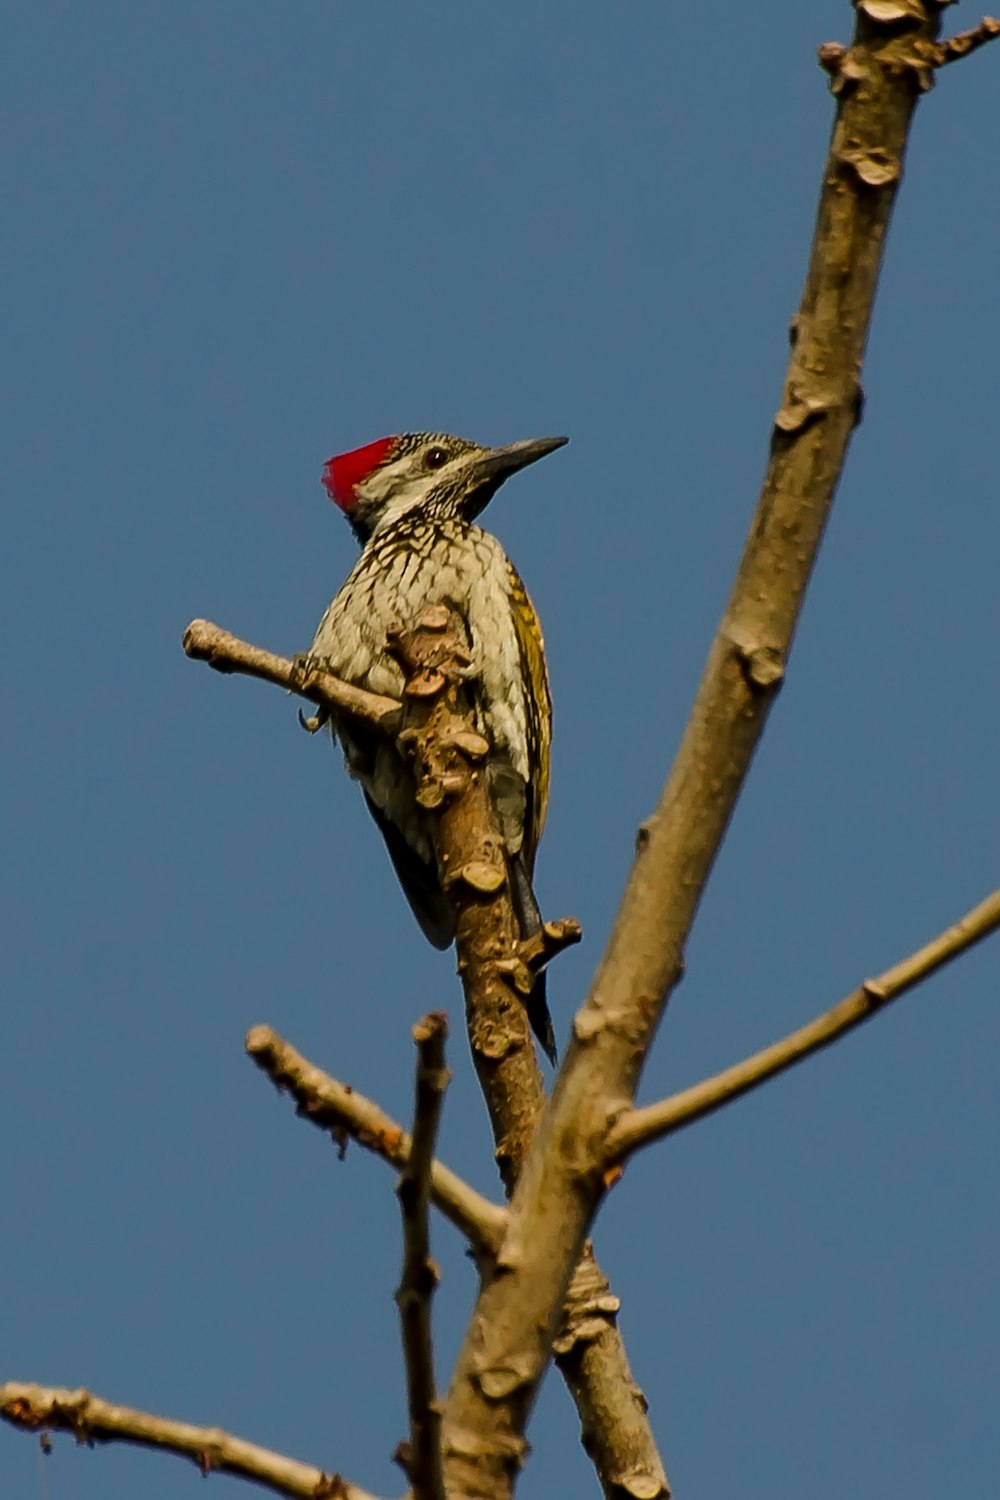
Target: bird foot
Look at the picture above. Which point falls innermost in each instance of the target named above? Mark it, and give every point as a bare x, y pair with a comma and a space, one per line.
314, 721
303, 667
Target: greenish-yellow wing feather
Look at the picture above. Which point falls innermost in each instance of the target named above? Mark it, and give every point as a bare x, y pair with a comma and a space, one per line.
538, 711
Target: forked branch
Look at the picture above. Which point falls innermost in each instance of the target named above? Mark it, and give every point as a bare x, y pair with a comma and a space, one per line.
91, 1420
641, 1127
613, 1411
496, 970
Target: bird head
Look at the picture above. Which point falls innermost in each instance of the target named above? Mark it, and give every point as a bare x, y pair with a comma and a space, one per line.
423, 474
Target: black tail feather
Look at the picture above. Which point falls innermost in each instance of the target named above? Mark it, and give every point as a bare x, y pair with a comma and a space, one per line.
530, 921
420, 883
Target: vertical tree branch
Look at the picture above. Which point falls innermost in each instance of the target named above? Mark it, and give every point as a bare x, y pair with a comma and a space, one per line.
448, 757
877, 83
421, 1457
492, 962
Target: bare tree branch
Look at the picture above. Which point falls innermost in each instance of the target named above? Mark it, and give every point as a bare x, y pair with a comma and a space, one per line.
495, 969
508, 1342
446, 754
641, 1127
203, 641
92, 1420
342, 1111
421, 1458
613, 1413
953, 48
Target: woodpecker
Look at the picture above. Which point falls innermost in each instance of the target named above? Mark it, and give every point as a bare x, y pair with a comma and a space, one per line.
412, 502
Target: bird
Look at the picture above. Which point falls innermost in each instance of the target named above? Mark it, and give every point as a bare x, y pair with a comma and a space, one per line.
412, 502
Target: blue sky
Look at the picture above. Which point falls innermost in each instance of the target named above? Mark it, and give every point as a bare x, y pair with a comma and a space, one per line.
240, 237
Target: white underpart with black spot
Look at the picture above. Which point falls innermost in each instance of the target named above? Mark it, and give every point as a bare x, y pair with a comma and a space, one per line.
395, 578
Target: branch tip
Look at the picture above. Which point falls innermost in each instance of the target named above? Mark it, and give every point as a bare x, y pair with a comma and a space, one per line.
224, 652
954, 48
551, 939
91, 1420
345, 1114
637, 1128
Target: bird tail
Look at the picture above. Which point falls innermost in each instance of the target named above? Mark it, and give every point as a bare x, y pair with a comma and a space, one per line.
530, 921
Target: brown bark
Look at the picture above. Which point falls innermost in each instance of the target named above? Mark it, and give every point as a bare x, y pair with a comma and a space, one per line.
877, 83
436, 721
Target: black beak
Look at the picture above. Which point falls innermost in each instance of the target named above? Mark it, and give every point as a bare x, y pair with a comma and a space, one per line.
499, 464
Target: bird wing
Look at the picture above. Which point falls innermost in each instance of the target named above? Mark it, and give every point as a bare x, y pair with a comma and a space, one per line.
420, 883
537, 711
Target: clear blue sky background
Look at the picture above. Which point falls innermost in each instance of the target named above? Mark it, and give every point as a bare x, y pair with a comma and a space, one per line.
239, 237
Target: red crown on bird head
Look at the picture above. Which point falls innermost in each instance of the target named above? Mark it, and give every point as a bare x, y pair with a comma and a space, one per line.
343, 472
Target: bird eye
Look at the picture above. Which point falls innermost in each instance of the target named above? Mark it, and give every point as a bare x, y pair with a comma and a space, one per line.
434, 458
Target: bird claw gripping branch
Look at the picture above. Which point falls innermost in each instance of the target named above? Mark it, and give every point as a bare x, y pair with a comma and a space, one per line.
303, 667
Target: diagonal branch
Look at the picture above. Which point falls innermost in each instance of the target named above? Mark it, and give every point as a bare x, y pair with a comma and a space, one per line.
92, 1420
421, 1457
876, 83
953, 48
641, 1127
345, 1113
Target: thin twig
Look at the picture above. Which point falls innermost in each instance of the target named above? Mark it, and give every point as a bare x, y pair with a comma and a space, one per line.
641, 1127
92, 1420
953, 48
421, 1458
551, 938
203, 641
345, 1113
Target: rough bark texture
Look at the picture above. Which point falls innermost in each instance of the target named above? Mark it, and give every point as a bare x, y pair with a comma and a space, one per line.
614, 1424
91, 1420
448, 756
877, 82
615, 1428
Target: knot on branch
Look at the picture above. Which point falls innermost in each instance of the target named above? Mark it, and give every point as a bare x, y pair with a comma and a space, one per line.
587, 1321
551, 938
431, 654
436, 734
874, 165
534, 953
331, 1487
894, 15
842, 65
915, 55
763, 666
